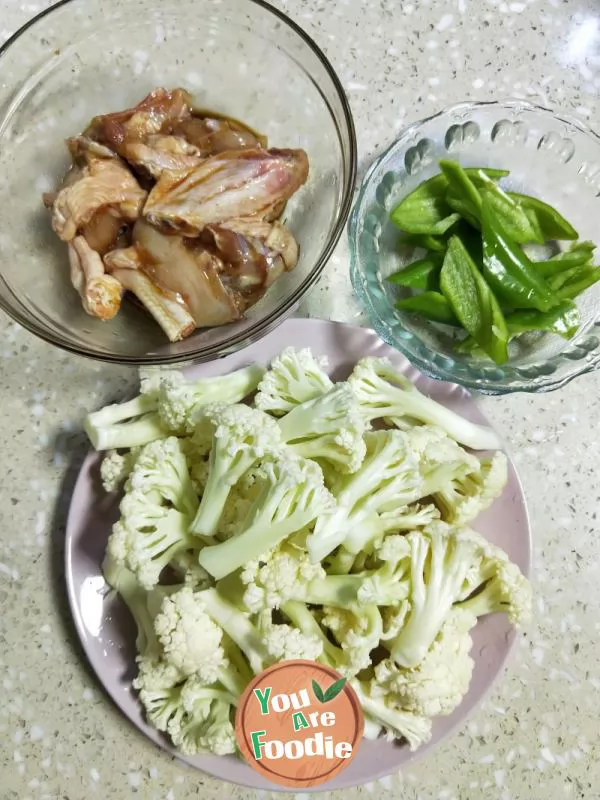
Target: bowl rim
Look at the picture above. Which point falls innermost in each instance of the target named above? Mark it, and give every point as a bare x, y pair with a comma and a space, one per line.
286, 306
481, 385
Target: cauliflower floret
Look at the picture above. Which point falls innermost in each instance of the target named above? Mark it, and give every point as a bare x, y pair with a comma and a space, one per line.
439, 563
496, 583
116, 467
438, 684
181, 403
190, 639
295, 376
357, 632
285, 642
241, 437
396, 722
383, 392
292, 496
329, 427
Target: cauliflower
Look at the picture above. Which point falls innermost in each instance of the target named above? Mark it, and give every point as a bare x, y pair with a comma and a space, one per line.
332, 654
383, 392
205, 725
156, 673
190, 639
161, 467
396, 722
182, 402
288, 574
136, 599
387, 481
189, 572
148, 536
285, 642
438, 684
241, 436
440, 559
464, 497
358, 632
295, 377
496, 584
330, 428
115, 468
135, 422
162, 706
300, 534
293, 496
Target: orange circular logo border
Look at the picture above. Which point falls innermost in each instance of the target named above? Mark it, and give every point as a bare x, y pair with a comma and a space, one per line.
350, 708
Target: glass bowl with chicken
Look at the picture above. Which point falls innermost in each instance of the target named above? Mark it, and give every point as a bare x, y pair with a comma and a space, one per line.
207, 175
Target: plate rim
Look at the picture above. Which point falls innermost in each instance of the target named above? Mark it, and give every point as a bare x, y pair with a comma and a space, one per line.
156, 737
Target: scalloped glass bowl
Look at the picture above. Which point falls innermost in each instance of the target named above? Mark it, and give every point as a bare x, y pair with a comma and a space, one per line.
548, 155
80, 58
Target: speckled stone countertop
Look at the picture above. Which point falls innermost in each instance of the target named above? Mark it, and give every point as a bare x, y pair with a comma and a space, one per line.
537, 735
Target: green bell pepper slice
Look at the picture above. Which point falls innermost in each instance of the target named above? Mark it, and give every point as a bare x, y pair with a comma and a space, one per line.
508, 270
563, 319
579, 284
426, 211
552, 224
431, 305
462, 194
435, 244
580, 254
421, 274
473, 302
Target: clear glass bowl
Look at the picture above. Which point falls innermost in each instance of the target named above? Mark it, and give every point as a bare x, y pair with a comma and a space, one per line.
82, 57
548, 155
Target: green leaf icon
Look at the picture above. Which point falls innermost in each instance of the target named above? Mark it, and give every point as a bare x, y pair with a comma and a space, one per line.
318, 692
331, 693
334, 689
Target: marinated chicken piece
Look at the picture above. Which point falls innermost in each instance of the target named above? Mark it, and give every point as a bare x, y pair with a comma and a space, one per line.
157, 113
106, 230
212, 133
273, 235
250, 267
82, 148
160, 154
167, 308
103, 182
100, 293
254, 253
246, 183
185, 267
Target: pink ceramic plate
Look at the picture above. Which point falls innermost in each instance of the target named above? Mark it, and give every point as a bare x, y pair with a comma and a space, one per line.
107, 632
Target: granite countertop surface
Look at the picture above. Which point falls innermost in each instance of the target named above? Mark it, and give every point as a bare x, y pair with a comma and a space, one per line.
536, 737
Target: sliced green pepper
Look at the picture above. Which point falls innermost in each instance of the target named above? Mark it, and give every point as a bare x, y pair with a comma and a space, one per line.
563, 319
425, 210
508, 270
571, 275
421, 274
431, 305
462, 195
516, 222
552, 224
578, 255
575, 287
470, 347
471, 240
436, 244
473, 302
